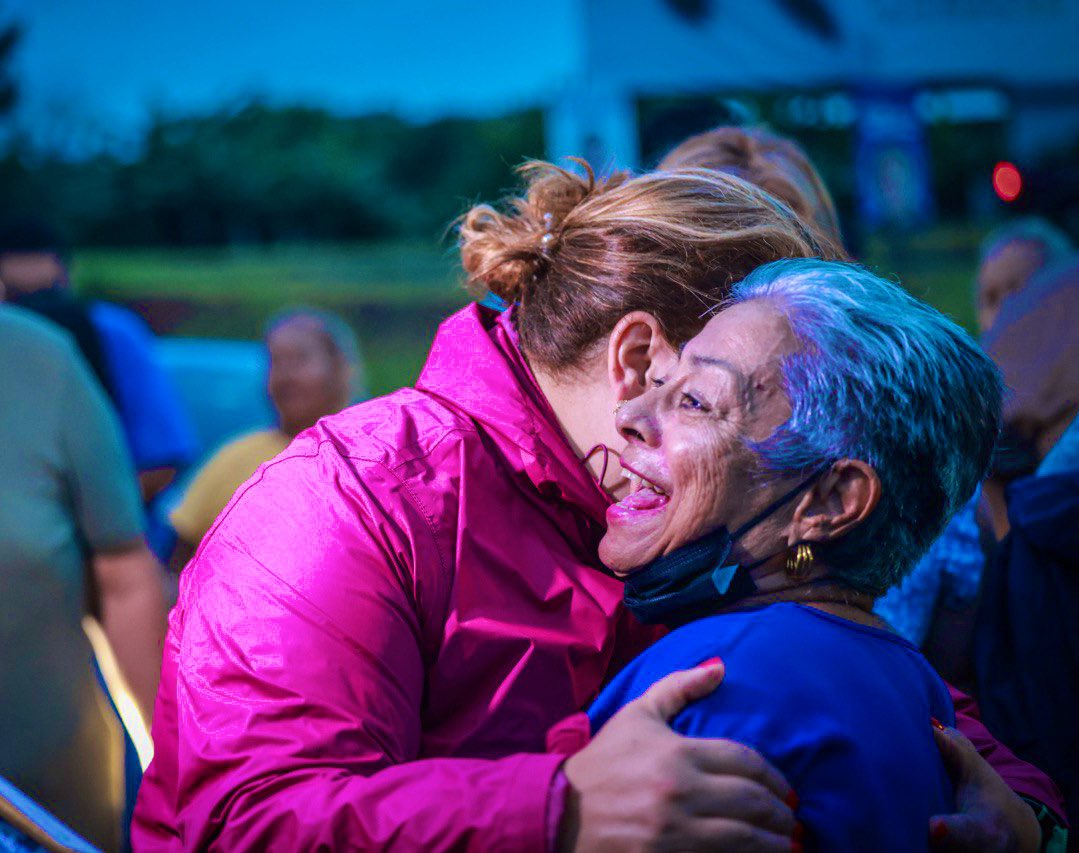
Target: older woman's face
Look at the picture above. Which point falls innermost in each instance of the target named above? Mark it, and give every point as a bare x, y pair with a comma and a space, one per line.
686, 437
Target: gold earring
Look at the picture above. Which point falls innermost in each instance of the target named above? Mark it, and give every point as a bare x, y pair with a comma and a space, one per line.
800, 561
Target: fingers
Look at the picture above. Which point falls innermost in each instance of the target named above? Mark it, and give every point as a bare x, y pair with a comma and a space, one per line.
960, 756
744, 800
960, 833
728, 758
716, 833
668, 696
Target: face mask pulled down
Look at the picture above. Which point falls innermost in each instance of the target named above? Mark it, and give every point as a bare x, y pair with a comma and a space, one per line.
696, 579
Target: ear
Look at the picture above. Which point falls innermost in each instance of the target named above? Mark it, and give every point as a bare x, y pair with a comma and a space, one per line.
839, 501
635, 346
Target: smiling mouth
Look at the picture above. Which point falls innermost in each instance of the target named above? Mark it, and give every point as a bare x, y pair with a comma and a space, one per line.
644, 496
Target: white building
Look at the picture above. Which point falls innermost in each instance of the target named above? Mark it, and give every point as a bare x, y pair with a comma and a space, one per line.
1013, 60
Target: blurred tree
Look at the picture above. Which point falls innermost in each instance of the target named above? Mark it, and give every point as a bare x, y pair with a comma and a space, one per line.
253, 173
9, 92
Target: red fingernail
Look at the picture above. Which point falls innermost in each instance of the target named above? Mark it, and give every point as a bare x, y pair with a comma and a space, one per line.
709, 662
937, 724
792, 800
939, 831
799, 832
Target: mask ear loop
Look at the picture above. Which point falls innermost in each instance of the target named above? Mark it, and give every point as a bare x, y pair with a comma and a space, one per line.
606, 459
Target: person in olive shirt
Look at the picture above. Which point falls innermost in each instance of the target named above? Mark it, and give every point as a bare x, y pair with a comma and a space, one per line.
69, 502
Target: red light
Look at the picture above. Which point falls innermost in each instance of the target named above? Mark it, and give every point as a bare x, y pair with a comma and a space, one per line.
1007, 182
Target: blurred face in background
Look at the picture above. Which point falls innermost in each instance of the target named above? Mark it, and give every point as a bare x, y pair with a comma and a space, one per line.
26, 272
308, 378
1003, 272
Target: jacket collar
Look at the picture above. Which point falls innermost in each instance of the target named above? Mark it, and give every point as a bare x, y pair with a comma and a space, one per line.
476, 366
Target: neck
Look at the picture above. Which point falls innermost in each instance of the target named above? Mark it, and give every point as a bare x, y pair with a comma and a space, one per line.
819, 590
583, 404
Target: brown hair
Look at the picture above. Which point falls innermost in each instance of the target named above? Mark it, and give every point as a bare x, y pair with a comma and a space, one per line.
578, 253
757, 156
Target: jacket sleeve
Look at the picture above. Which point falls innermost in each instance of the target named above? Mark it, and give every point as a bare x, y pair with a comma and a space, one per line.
307, 621
1025, 779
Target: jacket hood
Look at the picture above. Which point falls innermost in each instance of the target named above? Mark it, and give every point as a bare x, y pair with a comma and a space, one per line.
476, 366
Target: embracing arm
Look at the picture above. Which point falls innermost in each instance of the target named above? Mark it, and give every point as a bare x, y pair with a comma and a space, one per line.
289, 715
296, 665
990, 781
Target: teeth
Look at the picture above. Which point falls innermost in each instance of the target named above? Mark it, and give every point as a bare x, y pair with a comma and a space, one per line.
638, 482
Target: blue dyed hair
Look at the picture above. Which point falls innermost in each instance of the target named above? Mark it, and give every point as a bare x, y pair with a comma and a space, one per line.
882, 377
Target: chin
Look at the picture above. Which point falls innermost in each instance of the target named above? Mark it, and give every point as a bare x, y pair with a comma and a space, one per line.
613, 558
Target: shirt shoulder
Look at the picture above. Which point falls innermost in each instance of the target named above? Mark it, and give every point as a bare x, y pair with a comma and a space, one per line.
49, 365
22, 331
259, 447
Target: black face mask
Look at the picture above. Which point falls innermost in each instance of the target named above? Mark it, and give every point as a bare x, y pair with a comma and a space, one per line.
695, 579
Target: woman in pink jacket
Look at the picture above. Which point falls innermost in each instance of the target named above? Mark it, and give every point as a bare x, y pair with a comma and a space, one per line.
375, 636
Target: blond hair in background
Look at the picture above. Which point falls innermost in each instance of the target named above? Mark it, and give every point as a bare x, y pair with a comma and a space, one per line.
775, 164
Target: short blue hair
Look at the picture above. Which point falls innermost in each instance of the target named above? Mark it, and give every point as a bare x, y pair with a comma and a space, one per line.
882, 377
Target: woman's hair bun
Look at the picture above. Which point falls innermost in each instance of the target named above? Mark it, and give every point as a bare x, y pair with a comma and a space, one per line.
504, 251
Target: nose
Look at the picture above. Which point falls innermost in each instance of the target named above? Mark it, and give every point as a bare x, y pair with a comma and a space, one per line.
635, 421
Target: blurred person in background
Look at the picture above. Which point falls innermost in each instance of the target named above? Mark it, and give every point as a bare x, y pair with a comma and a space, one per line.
71, 533
371, 643
1028, 299
1011, 256
1025, 646
952, 567
117, 344
315, 370
773, 163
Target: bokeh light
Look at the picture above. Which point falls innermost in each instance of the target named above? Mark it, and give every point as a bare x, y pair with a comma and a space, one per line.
1007, 181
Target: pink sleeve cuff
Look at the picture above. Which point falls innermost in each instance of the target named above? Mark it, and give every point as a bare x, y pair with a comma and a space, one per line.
565, 738
569, 736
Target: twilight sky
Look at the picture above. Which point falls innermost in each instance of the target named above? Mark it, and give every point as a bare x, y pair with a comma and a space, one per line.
102, 66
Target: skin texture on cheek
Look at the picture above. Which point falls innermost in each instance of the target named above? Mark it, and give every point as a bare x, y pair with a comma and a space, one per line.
706, 474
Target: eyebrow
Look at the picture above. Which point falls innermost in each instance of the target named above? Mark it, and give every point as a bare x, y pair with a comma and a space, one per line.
743, 383
715, 362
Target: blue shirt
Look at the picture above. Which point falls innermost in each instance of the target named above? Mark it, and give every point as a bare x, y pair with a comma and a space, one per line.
842, 710
950, 571
158, 430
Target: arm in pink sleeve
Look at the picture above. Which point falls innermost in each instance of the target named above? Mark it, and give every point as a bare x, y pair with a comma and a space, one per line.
1025, 779
300, 678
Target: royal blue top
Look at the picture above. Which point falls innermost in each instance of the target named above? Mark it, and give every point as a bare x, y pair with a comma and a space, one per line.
842, 710
158, 430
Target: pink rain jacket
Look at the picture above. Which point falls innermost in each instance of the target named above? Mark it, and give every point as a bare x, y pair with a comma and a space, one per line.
376, 634
373, 640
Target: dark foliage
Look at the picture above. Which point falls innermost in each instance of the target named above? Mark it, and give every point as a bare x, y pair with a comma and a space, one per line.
261, 174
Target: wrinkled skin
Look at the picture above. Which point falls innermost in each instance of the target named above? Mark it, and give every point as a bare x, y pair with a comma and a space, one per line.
687, 434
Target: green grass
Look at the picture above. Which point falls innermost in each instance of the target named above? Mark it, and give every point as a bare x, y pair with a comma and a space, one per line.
394, 294
383, 274
938, 265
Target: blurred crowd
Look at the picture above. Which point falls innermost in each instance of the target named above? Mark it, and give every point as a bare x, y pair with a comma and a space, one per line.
97, 453
99, 458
